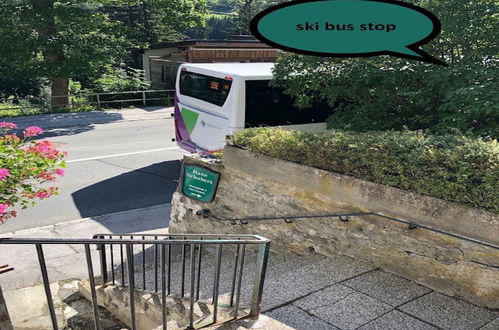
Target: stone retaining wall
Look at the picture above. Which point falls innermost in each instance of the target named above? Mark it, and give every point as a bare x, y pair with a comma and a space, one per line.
256, 185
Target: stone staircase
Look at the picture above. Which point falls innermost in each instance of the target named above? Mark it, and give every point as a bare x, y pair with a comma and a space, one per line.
309, 291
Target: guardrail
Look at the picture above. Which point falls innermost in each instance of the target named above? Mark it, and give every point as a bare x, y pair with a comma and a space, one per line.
344, 217
96, 99
125, 244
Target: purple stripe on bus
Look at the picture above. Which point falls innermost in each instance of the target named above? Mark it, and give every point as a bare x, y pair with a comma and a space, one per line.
181, 134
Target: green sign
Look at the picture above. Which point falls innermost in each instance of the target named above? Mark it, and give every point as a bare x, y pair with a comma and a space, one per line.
200, 183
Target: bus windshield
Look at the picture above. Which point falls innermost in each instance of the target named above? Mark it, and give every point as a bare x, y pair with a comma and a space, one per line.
210, 89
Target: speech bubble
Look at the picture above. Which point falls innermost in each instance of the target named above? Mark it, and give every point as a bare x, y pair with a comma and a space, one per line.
348, 28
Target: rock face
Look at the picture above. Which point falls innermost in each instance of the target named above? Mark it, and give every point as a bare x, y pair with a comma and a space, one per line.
256, 185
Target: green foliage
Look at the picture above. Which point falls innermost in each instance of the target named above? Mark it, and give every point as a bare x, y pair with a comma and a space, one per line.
8, 109
45, 40
222, 6
151, 21
68, 38
120, 79
246, 10
217, 27
186, 14
454, 168
57, 40
390, 93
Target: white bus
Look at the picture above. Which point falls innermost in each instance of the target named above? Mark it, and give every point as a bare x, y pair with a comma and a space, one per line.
213, 100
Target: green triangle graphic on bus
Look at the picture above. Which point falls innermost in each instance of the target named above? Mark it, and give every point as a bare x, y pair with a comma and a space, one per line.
190, 118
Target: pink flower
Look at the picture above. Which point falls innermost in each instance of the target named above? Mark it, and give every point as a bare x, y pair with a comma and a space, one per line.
32, 131
4, 173
11, 138
3, 207
42, 194
45, 149
7, 125
59, 172
46, 176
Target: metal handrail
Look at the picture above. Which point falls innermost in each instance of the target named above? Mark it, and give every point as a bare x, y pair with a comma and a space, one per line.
190, 243
344, 217
98, 100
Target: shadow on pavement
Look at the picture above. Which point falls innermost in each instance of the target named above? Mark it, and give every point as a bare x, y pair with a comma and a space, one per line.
66, 123
144, 187
152, 109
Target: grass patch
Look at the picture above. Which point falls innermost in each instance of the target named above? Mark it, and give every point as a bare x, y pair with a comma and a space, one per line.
454, 168
12, 110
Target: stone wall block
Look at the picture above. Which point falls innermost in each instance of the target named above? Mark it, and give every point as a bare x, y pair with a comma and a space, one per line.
256, 185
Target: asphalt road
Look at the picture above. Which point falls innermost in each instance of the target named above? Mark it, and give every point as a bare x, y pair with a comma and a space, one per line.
117, 161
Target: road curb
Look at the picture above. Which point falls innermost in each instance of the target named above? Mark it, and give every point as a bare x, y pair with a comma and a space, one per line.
80, 220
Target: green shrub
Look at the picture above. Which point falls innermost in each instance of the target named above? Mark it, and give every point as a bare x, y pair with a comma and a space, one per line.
120, 79
455, 168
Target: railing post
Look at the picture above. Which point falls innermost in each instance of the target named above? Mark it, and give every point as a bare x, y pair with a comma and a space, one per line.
131, 284
143, 98
91, 281
103, 262
261, 269
46, 285
5, 323
98, 101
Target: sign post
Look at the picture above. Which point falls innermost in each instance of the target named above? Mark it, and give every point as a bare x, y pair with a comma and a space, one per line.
200, 183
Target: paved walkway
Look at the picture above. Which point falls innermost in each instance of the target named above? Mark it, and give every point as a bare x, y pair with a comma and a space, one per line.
68, 261
83, 119
310, 292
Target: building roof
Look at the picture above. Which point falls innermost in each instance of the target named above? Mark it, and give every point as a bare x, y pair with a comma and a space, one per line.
209, 42
246, 70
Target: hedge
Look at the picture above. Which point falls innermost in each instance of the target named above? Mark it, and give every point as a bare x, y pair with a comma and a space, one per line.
454, 168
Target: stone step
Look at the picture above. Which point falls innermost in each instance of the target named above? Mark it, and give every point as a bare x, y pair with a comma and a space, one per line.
28, 308
149, 307
288, 277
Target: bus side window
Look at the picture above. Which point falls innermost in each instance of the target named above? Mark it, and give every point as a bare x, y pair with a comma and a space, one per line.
269, 106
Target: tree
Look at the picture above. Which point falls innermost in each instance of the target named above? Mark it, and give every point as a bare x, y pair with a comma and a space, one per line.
59, 40
152, 21
215, 28
386, 92
246, 10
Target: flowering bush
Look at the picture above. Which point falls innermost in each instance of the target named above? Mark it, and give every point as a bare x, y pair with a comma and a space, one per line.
25, 166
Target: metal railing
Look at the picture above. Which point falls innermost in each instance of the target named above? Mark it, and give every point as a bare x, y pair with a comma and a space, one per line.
5, 323
344, 217
121, 248
96, 99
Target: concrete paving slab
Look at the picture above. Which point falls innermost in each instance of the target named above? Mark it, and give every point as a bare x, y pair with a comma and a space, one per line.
389, 288
449, 313
299, 319
263, 323
324, 297
494, 325
28, 307
396, 320
68, 261
353, 311
294, 276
